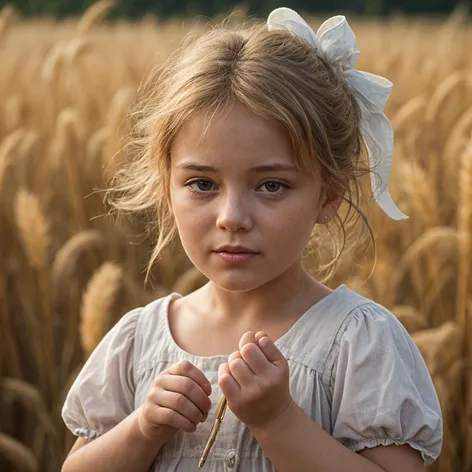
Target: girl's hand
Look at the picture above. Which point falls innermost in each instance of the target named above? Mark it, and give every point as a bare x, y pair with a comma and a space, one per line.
178, 399
255, 381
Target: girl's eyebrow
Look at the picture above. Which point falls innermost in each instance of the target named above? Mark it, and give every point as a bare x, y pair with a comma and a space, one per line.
187, 165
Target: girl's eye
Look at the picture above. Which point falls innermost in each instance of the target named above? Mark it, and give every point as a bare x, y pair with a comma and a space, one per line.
274, 186
202, 185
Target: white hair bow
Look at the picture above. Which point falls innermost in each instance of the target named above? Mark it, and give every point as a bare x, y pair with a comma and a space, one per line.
336, 43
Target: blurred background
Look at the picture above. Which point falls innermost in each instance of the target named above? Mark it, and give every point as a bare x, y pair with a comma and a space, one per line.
70, 73
186, 8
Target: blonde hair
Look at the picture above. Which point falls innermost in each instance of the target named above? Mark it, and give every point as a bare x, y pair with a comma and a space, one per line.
277, 76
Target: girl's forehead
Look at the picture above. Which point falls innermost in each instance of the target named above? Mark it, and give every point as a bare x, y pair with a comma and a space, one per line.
235, 135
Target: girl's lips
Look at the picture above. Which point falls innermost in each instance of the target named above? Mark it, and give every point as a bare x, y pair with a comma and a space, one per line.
235, 256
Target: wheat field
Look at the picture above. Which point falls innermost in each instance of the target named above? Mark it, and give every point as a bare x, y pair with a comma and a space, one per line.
68, 272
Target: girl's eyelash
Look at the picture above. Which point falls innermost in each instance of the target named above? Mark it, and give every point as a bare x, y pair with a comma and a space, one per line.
285, 186
189, 184
279, 182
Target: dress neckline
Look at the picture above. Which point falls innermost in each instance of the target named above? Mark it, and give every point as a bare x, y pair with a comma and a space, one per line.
220, 358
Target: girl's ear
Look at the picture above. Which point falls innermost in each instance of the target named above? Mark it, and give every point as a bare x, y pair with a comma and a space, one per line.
329, 208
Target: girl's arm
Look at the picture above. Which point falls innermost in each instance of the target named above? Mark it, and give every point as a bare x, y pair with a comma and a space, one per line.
135, 441
295, 443
121, 449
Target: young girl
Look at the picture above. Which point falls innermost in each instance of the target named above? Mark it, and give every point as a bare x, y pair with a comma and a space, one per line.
251, 140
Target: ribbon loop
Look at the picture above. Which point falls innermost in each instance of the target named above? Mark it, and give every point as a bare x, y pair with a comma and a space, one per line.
335, 42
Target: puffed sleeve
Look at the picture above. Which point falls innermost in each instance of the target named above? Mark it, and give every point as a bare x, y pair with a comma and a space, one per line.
382, 392
102, 395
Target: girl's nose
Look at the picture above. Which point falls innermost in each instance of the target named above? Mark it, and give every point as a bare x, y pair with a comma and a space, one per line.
233, 214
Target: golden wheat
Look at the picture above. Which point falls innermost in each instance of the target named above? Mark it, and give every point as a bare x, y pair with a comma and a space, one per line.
465, 231
8, 15
68, 256
94, 15
97, 303
32, 227
408, 115
17, 454
16, 390
440, 346
443, 91
410, 318
67, 274
7, 148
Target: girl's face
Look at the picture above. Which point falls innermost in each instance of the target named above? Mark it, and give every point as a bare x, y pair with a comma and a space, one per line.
234, 183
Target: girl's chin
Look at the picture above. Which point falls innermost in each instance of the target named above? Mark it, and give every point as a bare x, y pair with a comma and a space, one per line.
238, 282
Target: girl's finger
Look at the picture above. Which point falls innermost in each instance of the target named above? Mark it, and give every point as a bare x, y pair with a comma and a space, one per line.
227, 383
269, 348
246, 338
259, 335
256, 359
234, 355
187, 387
187, 369
243, 375
166, 416
223, 369
180, 404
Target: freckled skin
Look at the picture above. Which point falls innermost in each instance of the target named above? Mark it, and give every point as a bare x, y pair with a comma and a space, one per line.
240, 206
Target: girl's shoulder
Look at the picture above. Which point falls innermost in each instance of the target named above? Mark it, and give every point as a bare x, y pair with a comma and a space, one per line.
151, 314
152, 336
342, 315
379, 386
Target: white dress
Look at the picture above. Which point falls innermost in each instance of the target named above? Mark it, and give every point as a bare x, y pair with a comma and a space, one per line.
354, 370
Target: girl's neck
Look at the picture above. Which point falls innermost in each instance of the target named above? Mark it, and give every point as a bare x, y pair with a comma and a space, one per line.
290, 295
